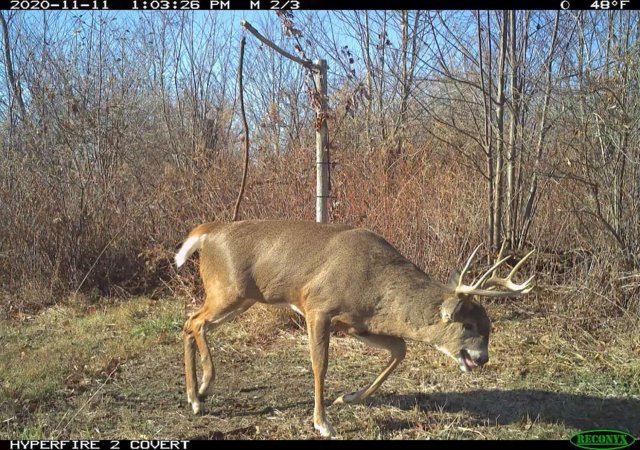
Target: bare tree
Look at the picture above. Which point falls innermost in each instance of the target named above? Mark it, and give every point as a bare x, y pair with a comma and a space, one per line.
14, 84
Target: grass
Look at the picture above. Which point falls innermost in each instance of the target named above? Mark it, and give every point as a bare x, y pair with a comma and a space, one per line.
65, 348
78, 371
162, 325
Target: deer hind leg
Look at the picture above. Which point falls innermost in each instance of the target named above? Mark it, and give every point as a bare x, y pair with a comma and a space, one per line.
318, 329
396, 346
210, 316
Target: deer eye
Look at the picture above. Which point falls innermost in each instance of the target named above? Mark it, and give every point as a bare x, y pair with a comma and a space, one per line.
468, 326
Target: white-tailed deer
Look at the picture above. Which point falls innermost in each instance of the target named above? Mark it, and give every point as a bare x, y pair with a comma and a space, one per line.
339, 278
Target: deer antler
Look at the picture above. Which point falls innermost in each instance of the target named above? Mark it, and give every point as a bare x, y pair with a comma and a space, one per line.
522, 288
479, 287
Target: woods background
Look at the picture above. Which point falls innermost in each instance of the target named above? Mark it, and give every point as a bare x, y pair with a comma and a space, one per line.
120, 132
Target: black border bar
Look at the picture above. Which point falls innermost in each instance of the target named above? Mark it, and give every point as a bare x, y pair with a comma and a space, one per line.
264, 5
279, 445
181, 444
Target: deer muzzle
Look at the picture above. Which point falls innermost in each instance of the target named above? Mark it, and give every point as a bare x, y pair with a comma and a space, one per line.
470, 359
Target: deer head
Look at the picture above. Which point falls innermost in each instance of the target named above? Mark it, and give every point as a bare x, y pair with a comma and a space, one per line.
463, 333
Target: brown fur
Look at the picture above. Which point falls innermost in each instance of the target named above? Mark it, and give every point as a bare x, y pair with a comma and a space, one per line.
341, 278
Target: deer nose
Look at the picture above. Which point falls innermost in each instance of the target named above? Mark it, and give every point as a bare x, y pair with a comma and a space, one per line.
482, 359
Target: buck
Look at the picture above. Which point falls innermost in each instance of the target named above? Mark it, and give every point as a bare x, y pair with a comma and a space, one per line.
339, 278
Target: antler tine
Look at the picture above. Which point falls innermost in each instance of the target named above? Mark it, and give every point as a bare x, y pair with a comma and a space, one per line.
517, 266
491, 281
464, 289
528, 285
514, 287
504, 242
521, 288
492, 293
466, 267
488, 272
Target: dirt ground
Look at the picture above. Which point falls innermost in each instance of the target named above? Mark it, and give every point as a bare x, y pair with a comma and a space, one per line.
115, 370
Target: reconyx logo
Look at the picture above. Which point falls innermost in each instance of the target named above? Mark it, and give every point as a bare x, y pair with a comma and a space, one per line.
602, 439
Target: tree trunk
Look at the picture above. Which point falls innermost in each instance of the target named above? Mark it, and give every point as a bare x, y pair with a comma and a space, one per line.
488, 145
16, 91
511, 149
529, 209
498, 185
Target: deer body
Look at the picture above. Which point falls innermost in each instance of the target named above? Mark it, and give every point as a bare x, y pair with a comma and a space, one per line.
339, 278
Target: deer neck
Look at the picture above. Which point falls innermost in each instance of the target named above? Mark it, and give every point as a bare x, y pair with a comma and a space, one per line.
409, 307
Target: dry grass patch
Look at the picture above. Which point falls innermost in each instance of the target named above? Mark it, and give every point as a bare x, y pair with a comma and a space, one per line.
116, 372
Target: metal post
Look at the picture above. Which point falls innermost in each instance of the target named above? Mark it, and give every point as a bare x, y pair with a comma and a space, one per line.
322, 160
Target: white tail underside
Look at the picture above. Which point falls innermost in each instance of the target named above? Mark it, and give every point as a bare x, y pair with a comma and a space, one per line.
192, 244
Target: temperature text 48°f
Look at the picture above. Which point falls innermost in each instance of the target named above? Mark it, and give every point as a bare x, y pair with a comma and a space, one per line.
610, 4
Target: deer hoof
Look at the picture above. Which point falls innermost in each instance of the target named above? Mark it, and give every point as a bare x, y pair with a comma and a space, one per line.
196, 406
350, 398
325, 429
205, 391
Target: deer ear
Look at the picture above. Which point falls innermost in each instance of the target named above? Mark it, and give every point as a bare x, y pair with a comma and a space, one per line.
450, 308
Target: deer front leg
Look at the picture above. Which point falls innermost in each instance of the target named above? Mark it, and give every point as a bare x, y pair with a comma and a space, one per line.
396, 346
318, 329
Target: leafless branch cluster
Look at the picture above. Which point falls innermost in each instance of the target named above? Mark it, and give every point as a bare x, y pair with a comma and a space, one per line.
449, 129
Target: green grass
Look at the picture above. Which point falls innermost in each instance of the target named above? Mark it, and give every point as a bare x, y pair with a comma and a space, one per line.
66, 348
31, 432
168, 323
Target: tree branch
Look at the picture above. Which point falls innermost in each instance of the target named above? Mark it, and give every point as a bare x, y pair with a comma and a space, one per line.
246, 132
304, 62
